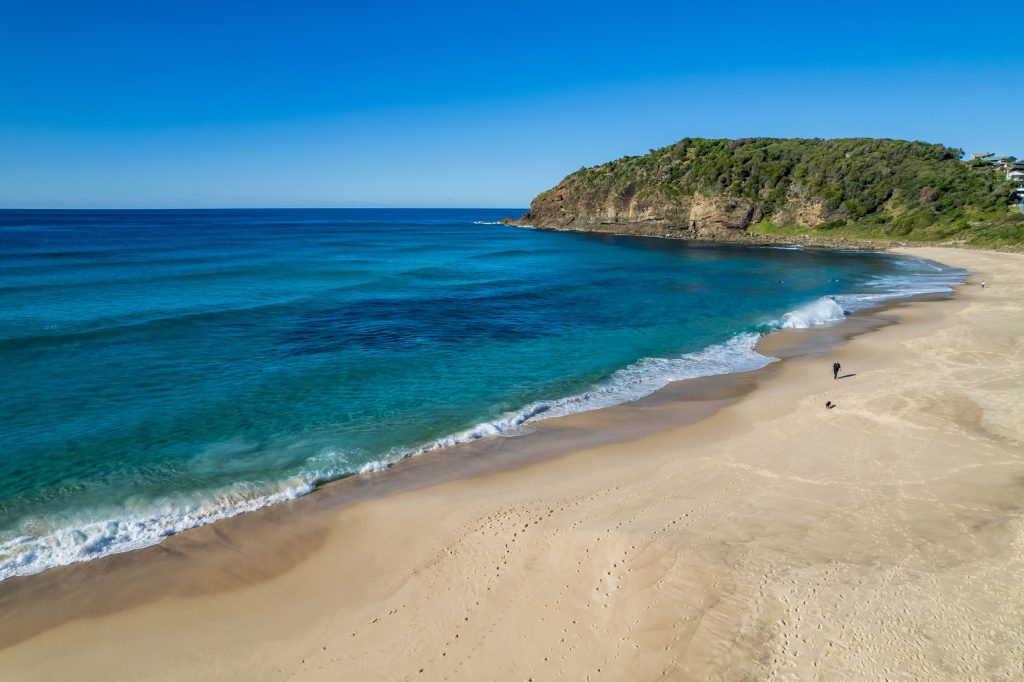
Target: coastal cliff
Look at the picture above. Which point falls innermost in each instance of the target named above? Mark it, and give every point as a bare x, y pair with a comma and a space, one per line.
763, 188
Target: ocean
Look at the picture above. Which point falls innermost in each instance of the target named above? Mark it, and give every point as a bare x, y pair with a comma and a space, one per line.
164, 369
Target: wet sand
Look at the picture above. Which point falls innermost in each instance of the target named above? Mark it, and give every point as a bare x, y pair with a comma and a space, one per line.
724, 528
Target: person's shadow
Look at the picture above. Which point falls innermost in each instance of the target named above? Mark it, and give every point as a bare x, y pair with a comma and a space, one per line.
845, 376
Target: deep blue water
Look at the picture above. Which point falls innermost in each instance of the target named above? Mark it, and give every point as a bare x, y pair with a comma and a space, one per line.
161, 369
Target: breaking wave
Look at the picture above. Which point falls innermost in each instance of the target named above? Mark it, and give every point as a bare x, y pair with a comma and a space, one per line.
60, 541
822, 311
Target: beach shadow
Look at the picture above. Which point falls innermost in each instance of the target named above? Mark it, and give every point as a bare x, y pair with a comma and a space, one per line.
846, 376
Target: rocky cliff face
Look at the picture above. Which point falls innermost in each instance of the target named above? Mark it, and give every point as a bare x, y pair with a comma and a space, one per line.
565, 207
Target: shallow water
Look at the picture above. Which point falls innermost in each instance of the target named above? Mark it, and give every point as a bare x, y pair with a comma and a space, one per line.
162, 369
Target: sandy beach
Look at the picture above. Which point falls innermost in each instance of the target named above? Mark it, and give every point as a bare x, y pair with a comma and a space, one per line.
759, 537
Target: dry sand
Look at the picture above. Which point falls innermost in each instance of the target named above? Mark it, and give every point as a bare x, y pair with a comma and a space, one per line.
775, 539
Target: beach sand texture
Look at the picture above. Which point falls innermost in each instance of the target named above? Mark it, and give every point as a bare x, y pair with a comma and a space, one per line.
773, 540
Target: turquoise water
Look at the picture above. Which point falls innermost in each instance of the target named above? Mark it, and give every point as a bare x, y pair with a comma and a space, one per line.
162, 369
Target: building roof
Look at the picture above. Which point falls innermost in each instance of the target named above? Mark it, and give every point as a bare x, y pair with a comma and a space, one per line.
992, 158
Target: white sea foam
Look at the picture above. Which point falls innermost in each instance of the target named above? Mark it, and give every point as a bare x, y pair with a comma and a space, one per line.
70, 540
375, 465
823, 311
487, 222
633, 382
58, 541
883, 288
926, 278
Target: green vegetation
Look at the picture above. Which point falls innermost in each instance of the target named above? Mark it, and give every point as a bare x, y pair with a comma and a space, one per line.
992, 230
859, 188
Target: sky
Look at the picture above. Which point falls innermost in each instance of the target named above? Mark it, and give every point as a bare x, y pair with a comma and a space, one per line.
162, 104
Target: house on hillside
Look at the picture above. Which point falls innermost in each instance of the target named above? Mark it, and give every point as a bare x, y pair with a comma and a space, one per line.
1003, 164
989, 159
1015, 176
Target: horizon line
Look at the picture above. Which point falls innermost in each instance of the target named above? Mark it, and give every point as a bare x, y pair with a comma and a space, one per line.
270, 208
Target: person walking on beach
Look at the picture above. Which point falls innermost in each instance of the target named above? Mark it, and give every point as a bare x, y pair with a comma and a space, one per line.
835, 370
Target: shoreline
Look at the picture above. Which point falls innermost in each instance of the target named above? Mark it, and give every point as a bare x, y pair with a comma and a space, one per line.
527, 419
745, 238
677, 404
220, 560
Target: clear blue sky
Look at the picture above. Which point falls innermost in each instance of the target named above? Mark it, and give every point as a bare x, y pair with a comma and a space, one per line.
298, 103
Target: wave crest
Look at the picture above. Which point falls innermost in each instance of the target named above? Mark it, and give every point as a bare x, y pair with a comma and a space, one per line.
104, 532
822, 311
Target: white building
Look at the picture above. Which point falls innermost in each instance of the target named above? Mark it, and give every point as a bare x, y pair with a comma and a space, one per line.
1015, 176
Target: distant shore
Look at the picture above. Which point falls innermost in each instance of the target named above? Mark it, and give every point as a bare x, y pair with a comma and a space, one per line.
724, 527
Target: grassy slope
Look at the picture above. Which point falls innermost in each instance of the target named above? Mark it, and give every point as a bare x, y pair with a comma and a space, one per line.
997, 229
